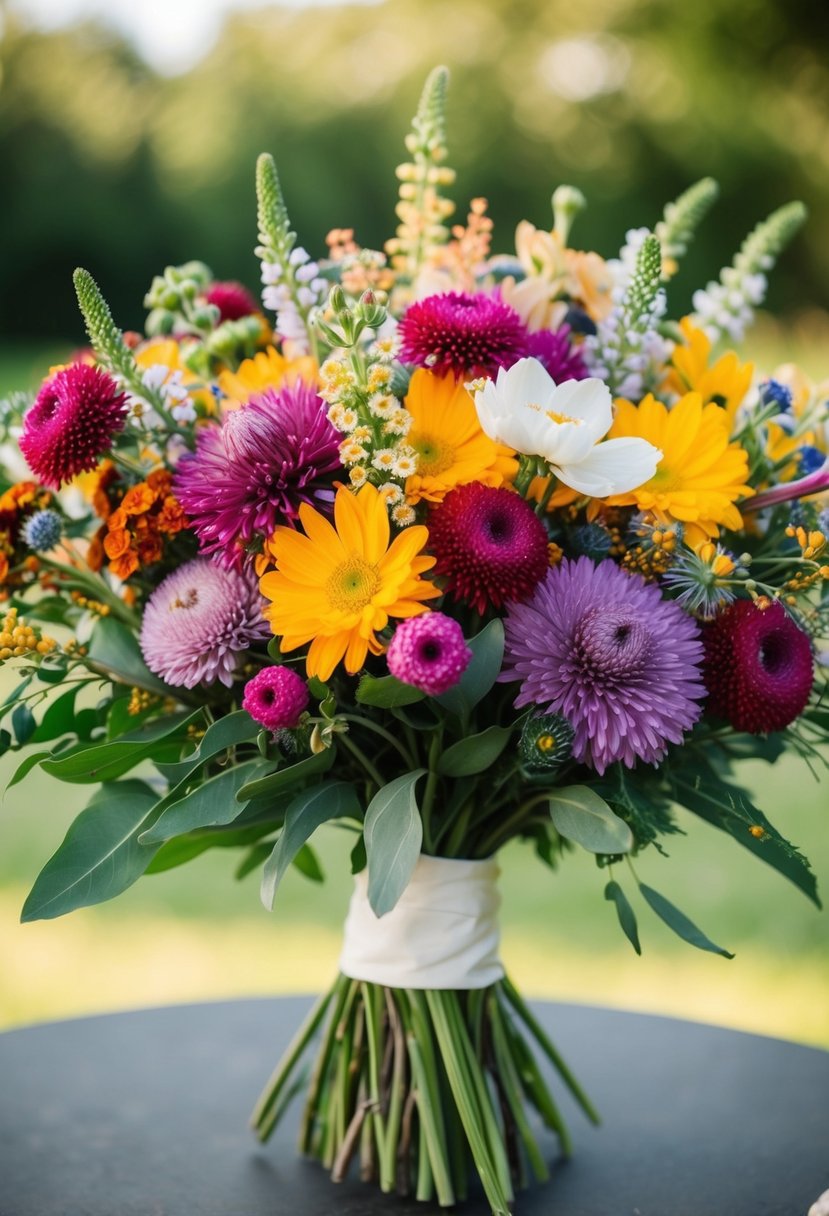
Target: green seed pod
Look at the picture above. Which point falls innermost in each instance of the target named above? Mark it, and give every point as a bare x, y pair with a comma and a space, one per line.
545, 743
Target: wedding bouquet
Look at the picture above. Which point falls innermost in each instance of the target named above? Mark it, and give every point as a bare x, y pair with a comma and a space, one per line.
466, 547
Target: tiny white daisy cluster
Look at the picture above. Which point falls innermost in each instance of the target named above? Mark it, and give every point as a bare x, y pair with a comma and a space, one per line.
292, 291
727, 307
169, 387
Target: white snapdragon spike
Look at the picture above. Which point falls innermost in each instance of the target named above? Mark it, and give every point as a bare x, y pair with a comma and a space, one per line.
564, 424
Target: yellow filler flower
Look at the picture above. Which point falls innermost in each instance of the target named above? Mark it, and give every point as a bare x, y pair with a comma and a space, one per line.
452, 448
267, 369
700, 477
726, 381
335, 587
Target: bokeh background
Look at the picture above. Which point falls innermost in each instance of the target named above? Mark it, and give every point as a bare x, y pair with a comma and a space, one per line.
128, 134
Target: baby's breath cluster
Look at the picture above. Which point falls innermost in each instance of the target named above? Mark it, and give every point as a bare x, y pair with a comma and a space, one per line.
20, 640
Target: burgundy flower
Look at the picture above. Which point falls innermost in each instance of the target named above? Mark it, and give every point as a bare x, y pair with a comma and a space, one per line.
71, 423
469, 335
232, 300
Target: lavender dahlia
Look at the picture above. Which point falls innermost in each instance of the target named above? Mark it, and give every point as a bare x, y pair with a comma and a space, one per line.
198, 622
460, 333
429, 652
276, 698
554, 351
256, 469
71, 423
605, 650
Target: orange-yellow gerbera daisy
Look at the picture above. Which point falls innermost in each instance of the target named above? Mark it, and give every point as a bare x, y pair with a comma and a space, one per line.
700, 476
336, 587
725, 382
267, 369
451, 446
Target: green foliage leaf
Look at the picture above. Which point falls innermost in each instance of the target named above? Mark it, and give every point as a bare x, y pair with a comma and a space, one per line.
108, 761
625, 913
254, 858
284, 778
230, 731
307, 862
679, 922
59, 718
329, 800
100, 856
23, 723
113, 646
181, 849
475, 753
487, 656
26, 766
209, 805
581, 815
387, 692
393, 834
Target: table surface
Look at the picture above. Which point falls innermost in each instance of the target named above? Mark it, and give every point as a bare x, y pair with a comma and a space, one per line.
145, 1114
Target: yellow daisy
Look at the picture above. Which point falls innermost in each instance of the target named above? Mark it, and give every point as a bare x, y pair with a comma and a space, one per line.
725, 382
451, 446
267, 369
336, 586
700, 476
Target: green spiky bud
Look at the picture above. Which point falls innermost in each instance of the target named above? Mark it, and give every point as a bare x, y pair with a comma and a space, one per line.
277, 239
644, 284
680, 220
429, 124
546, 742
567, 202
762, 247
105, 336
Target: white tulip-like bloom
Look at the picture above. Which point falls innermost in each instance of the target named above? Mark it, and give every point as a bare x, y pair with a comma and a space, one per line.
563, 424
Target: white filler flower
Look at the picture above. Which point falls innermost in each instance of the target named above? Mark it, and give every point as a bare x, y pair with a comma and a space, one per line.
563, 424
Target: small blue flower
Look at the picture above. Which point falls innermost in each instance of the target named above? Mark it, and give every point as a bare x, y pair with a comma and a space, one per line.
43, 530
772, 392
809, 460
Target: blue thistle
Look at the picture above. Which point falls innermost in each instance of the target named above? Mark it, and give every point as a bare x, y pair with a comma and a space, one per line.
43, 530
809, 460
772, 392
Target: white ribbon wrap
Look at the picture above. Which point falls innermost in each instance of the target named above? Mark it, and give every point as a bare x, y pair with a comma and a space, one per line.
442, 933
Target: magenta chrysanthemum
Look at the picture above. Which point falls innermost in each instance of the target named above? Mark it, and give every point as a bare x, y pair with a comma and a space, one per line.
460, 333
552, 348
232, 300
758, 667
276, 698
198, 623
429, 652
71, 423
490, 545
605, 650
256, 469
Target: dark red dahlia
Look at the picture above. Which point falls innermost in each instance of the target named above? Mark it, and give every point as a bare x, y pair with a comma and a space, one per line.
71, 423
489, 544
232, 300
461, 333
757, 667
553, 349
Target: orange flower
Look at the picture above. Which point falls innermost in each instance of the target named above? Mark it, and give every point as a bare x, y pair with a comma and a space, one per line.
125, 565
171, 518
150, 549
95, 552
4, 567
160, 482
116, 543
138, 499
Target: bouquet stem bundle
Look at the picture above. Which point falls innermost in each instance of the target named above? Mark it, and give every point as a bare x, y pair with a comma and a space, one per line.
419, 1086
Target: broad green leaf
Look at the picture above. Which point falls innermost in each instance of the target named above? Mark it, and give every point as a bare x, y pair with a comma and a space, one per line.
487, 656
52, 671
679, 922
625, 913
230, 731
26, 766
307, 862
59, 718
284, 778
100, 856
475, 753
358, 855
580, 815
329, 800
386, 692
108, 761
23, 723
181, 849
393, 834
115, 648
254, 858
15, 694
209, 805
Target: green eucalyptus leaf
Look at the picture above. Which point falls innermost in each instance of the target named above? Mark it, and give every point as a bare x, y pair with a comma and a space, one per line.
26, 766
59, 718
393, 834
387, 692
181, 849
230, 731
679, 922
114, 647
580, 815
475, 753
254, 858
211, 804
108, 761
100, 856
625, 913
23, 724
314, 806
307, 862
487, 656
284, 778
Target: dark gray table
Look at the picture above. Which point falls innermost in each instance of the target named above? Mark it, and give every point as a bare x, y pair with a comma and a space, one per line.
145, 1114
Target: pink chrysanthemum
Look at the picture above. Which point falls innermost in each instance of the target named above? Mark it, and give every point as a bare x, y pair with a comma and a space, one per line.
553, 349
429, 652
758, 667
605, 650
199, 622
490, 545
276, 698
71, 423
232, 300
469, 335
256, 469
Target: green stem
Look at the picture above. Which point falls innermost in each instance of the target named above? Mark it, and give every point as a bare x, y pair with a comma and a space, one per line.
384, 734
420, 1043
338, 994
96, 587
435, 749
508, 1077
504, 830
359, 754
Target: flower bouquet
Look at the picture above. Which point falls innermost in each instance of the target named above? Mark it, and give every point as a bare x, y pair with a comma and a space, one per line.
466, 547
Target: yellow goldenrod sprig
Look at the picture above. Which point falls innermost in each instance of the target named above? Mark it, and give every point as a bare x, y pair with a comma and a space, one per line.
20, 640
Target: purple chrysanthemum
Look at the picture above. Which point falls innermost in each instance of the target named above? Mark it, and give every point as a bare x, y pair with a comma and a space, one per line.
605, 650
198, 622
71, 423
256, 469
469, 335
276, 698
429, 652
553, 349
232, 300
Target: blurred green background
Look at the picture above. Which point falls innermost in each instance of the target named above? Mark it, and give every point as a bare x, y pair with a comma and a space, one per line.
123, 163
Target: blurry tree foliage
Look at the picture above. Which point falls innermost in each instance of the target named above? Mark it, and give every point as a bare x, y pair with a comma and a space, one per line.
108, 165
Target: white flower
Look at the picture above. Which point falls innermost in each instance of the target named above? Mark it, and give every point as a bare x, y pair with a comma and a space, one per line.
525, 409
